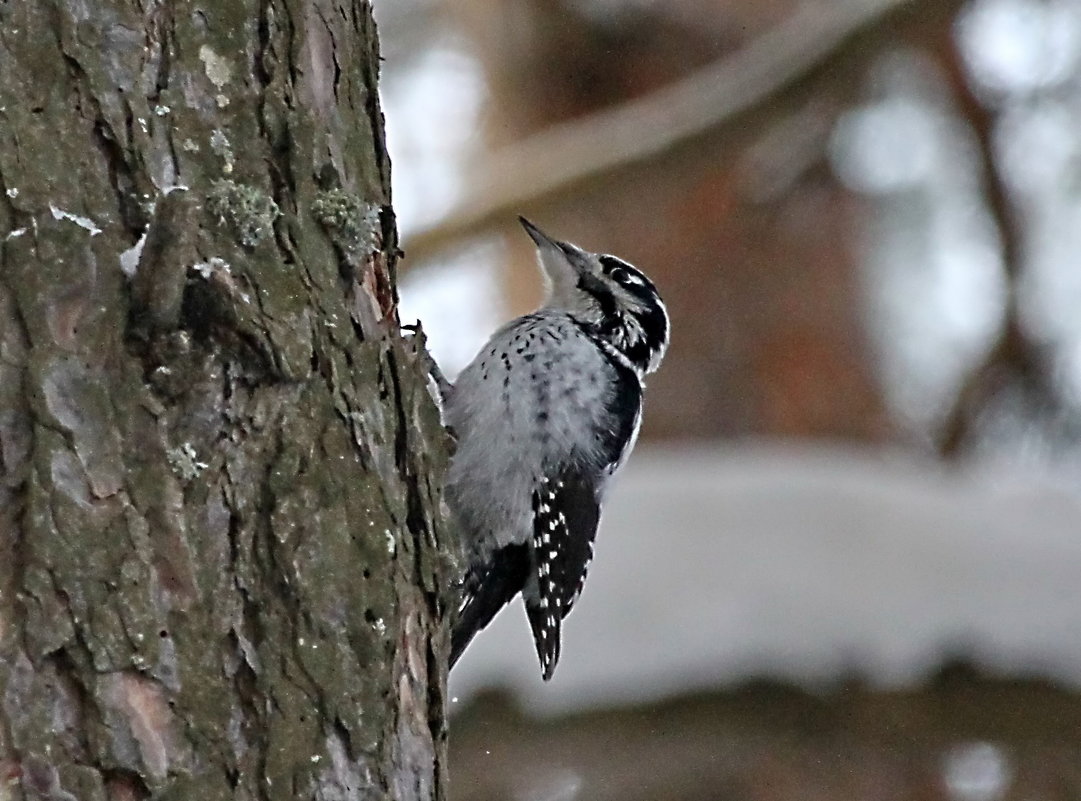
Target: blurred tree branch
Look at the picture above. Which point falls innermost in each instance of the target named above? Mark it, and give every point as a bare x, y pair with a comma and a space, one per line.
1014, 358
543, 167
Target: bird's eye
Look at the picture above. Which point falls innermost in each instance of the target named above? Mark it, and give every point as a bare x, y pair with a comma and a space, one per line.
619, 275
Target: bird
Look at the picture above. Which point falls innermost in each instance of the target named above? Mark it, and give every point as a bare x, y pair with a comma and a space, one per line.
544, 415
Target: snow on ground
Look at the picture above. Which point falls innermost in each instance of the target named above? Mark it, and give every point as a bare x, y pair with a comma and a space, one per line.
714, 565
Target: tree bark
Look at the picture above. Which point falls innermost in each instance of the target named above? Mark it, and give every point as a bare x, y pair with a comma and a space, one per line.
222, 558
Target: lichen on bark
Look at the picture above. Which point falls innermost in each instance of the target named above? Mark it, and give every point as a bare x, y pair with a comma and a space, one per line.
223, 561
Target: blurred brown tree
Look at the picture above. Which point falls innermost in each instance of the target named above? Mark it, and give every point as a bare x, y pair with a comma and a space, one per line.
750, 234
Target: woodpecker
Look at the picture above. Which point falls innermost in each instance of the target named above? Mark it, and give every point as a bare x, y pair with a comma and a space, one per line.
545, 415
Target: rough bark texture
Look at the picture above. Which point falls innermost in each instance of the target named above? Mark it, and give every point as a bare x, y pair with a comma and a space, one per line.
220, 537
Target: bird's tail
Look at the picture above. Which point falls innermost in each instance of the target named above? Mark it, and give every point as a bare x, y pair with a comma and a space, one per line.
488, 590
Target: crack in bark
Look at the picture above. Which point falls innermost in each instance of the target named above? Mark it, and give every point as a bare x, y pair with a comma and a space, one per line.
122, 176
283, 189
208, 318
78, 635
124, 783
18, 492
163, 27
13, 212
373, 109
68, 675
333, 51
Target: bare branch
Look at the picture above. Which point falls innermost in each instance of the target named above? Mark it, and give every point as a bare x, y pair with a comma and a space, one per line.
1015, 359
534, 171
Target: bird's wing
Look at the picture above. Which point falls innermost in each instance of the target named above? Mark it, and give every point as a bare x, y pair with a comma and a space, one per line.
566, 513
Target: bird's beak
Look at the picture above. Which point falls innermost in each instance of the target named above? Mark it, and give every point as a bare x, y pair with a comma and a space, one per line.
562, 262
544, 241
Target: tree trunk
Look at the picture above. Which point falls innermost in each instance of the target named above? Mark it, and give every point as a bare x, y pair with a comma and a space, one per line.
221, 550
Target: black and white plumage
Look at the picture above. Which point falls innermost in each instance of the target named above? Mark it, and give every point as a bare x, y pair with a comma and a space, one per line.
545, 414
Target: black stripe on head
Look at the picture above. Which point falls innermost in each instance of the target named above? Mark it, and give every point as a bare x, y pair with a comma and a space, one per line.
627, 276
602, 294
652, 319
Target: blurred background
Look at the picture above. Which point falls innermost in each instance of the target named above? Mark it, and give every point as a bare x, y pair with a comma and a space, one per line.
845, 561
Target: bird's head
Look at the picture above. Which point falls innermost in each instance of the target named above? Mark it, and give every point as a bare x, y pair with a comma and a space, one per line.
613, 300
